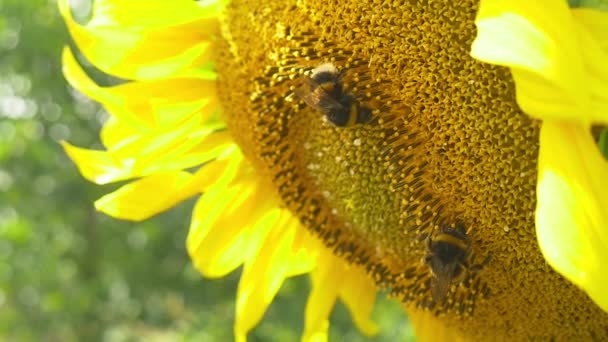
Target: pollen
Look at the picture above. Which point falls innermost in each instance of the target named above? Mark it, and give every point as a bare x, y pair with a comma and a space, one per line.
446, 143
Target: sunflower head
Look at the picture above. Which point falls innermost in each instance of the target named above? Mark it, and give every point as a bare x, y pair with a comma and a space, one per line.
432, 197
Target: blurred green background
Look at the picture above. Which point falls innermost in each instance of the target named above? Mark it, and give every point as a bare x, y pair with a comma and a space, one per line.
68, 273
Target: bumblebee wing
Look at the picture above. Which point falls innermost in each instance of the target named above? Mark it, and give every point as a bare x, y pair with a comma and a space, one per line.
441, 281
314, 96
439, 288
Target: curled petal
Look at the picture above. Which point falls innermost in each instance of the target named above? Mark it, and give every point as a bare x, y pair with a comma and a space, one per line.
144, 155
147, 104
572, 210
147, 197
99, 166
145, 40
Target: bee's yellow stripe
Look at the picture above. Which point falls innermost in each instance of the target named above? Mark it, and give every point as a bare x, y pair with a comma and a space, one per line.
328, 87
353, 114
447, 238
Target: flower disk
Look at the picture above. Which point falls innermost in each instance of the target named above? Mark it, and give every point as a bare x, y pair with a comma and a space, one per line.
446, 144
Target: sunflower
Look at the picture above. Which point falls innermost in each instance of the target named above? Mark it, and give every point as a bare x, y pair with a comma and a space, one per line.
481, 117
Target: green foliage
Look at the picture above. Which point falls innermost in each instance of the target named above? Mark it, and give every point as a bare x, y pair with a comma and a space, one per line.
603, 142
68, 273
597, 4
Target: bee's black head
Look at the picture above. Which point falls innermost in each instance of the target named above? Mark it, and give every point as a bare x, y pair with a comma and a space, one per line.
326, 77
458, 231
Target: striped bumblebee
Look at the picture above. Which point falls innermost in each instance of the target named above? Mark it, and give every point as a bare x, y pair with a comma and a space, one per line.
324, 92
447, 258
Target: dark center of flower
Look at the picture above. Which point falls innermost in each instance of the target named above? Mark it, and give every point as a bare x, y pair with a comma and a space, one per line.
446, 144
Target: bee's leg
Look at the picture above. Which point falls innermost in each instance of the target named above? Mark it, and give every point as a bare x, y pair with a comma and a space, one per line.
363, 114
480, 266
341, 73
468, 230
467, 269
462, 275
426, 260
459, 227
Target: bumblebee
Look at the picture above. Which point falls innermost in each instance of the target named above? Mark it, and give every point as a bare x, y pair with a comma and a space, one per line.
447, 255
324, 92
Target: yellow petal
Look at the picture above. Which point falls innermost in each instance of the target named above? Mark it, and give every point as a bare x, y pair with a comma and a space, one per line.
167, 149
304, 253
147, 197
78, 79
149, 14
146, 104
148, 154
263, 275
196, 150
326, 282
595, 23
318, 335
99, 167
572, 209
593, 35
116, 132
229, 168
429, 327
218, 239
333, 278
146, 40
548, 53
359, 295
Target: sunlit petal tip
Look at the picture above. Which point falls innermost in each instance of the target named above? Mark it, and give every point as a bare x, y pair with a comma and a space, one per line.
319, 334
240, 336
362, 319
146, 197
368, 327
572, 210
96, 166
64, 10
78, 79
